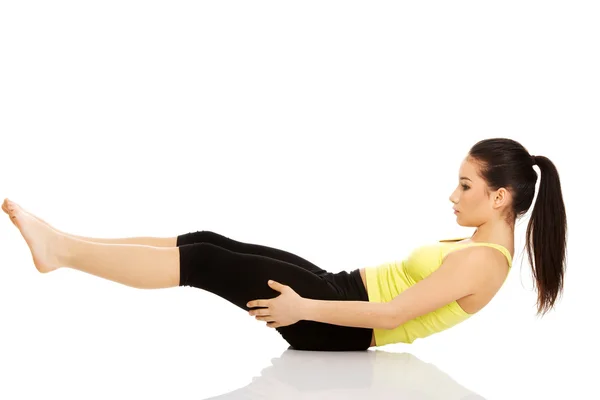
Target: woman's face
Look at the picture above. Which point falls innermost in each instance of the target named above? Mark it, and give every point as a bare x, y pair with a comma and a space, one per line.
470, 198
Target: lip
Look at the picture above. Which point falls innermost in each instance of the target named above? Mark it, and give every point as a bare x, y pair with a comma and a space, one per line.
456, 211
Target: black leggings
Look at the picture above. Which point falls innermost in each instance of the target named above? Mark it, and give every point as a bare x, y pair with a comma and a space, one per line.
238, 272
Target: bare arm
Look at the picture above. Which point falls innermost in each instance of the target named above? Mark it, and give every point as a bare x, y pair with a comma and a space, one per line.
459, 275
360, 314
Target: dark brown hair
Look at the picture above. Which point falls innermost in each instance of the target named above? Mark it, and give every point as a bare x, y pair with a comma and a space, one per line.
506, 163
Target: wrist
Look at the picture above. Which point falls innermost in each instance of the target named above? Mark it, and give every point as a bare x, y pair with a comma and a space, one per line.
306, 309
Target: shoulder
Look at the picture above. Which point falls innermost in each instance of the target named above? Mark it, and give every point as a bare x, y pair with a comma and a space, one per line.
474, 253
484, 263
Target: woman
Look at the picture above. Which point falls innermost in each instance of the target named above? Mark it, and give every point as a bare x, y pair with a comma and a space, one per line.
436, 287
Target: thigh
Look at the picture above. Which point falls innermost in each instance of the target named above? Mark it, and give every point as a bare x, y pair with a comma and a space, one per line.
248, 248
241, 277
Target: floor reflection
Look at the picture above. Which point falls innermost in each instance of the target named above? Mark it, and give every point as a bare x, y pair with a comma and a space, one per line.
372, 374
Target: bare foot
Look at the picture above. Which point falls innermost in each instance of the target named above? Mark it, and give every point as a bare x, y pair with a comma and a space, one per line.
5, 209
46, 245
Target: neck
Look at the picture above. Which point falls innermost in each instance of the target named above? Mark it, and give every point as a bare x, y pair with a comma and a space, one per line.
495, 232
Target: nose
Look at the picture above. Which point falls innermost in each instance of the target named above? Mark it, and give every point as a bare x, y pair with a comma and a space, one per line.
452, 196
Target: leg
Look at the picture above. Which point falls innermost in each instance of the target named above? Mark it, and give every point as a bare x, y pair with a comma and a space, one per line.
248, 248
138, 266
241, 277
198, 237
236, 277
213, 238
141, 241
146, 240
188, 238
209, 237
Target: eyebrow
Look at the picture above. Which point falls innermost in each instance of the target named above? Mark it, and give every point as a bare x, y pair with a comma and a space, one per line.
464, 177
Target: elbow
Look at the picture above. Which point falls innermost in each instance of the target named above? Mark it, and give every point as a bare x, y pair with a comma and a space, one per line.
392, 319
392, 323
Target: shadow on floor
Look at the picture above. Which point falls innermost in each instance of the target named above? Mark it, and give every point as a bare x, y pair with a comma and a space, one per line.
360, 375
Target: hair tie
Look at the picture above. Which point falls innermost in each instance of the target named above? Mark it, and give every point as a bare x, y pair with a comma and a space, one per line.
533, 160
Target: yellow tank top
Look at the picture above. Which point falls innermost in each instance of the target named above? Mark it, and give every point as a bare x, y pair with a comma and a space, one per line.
386, 281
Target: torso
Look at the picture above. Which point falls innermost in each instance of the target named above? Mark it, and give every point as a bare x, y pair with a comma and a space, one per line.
476, 301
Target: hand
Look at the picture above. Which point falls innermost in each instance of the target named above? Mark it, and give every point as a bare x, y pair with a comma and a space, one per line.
285, 309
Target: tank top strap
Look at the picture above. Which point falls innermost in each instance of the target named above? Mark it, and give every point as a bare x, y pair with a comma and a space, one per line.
453, 239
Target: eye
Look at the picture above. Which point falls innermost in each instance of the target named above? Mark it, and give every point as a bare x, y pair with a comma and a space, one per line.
465, 187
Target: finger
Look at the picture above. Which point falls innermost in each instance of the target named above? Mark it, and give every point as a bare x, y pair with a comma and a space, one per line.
276, 285
258, 303
262, 311
267, 318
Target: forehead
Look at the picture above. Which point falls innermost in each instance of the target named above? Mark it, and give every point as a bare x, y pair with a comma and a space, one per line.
468, 169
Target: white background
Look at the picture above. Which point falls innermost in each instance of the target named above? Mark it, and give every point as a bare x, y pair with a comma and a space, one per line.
334, 130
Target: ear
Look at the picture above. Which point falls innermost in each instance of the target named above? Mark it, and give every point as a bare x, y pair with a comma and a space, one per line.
501, 197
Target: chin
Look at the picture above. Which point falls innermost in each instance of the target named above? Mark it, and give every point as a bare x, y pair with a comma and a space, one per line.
463, 223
